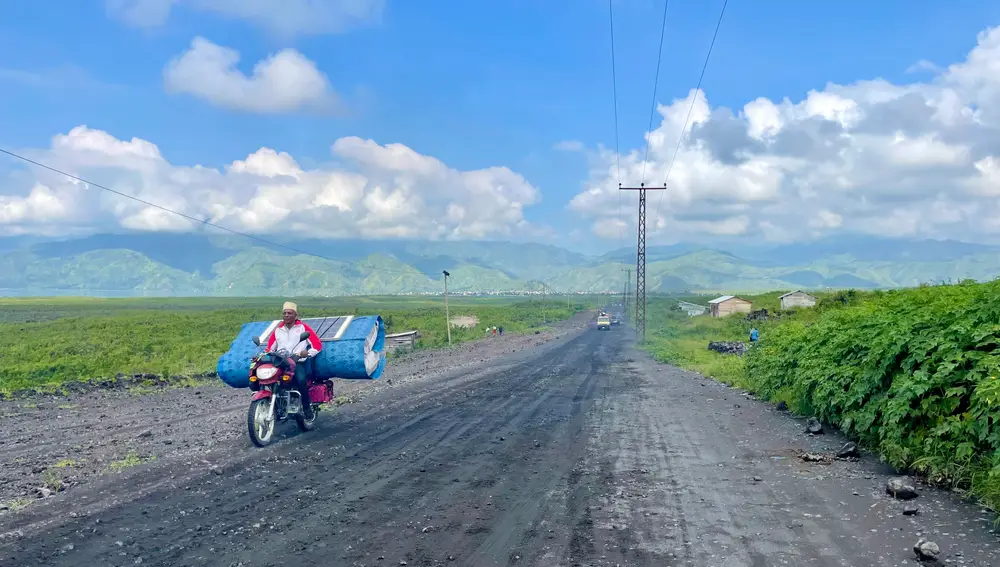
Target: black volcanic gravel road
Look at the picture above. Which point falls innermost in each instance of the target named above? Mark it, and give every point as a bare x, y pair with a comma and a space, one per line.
578, 451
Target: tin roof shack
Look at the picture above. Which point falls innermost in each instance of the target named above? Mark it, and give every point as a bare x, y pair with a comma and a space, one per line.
729, 304
406, 341
797, 298
692, 309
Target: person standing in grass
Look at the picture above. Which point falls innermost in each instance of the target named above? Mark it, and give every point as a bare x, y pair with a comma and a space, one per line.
754, 335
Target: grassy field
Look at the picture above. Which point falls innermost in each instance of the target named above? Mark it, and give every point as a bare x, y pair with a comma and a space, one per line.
911, 374
45, 342
675, 338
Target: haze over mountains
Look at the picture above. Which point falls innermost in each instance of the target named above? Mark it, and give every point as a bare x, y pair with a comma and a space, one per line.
198, 264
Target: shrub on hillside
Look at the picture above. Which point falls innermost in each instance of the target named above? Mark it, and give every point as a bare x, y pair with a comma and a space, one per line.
912, 373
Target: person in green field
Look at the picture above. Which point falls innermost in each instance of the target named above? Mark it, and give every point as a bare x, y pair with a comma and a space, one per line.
754, 335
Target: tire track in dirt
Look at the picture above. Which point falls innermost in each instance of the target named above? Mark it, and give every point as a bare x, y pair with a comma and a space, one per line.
580, 452
485, 453
454, 430
75, 441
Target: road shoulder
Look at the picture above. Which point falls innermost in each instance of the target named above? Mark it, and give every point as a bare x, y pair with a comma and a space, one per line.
701, 473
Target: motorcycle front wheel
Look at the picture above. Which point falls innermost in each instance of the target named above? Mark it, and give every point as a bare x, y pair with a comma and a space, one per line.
261, 430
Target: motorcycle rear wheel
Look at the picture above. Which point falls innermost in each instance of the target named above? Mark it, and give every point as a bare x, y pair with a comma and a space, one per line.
261, 432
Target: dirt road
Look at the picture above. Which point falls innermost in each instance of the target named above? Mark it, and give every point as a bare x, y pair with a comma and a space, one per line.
576, 451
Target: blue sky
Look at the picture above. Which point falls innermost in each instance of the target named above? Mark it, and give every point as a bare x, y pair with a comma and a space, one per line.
474, 84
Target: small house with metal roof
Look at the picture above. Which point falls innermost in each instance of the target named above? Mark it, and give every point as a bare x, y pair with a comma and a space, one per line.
729, 304
796, 298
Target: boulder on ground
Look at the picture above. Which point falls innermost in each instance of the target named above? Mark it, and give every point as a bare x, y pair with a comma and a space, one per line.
814, 426
901, 488
728, 347
849, 451
926, 550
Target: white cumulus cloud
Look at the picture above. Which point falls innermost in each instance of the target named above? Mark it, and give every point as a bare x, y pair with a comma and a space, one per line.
282, 17
916, 160
376, 191
286, 81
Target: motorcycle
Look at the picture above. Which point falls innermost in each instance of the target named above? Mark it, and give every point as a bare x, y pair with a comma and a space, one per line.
276, 399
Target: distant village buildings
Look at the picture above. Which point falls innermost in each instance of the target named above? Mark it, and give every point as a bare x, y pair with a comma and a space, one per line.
729, 304
797, 298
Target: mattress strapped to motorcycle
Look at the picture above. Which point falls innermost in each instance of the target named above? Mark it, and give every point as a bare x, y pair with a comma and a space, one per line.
328, 329
353, 348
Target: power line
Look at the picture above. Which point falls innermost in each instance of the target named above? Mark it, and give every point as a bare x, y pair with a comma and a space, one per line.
614, 85
656, 81
683, 133
195, 219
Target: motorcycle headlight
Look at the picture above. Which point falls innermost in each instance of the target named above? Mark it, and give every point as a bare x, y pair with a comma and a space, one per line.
266, 373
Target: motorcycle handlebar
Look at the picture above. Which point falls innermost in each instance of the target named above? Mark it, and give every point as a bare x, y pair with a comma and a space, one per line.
281, 355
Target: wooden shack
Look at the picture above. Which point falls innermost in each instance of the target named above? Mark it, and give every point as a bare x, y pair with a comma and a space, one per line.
406, 340
729, 304
797, 298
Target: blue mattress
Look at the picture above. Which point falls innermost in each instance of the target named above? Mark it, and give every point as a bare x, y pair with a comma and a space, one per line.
353, 348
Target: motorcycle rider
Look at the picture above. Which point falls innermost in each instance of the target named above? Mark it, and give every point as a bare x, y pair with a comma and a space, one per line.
286, 336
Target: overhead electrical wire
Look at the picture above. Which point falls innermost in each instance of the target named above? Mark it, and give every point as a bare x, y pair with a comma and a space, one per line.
656, 82
683, 133
618, 159
200, 221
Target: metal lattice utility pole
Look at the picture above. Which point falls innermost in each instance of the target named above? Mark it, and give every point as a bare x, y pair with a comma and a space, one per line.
447, 316
628, 285
640, 259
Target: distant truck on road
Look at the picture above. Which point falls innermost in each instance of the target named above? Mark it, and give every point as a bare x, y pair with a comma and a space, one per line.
603, 322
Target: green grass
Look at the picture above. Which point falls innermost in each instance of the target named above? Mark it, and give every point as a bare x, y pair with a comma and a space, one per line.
18, 504
128, 461
45, 343
674, 338
911, 374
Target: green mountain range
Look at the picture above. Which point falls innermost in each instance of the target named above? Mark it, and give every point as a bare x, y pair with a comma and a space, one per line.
199, 264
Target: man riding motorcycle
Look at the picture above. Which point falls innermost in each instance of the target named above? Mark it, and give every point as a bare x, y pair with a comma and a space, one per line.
286, 337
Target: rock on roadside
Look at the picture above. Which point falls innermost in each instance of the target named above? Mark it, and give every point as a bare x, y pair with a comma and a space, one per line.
728, 347
926, 550
814, 426
849, 451
901, 488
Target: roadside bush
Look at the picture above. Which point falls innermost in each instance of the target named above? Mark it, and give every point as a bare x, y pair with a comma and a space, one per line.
912, 373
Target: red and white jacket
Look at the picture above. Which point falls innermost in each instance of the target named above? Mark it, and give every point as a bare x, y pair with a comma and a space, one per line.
287, 338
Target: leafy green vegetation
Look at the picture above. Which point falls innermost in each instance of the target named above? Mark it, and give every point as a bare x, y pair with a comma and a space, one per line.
45, 343
910, 373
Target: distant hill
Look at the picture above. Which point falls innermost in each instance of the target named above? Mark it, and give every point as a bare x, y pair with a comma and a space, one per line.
203, 264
